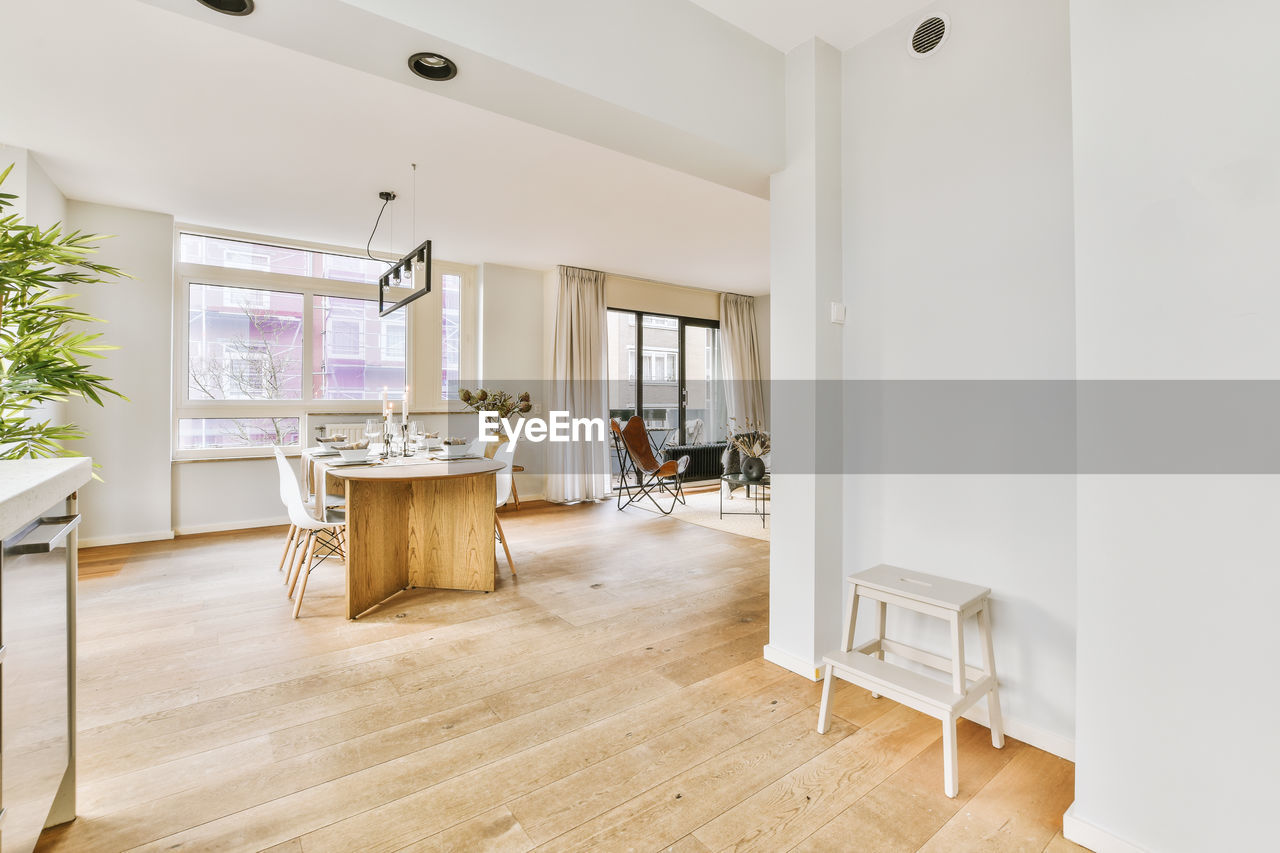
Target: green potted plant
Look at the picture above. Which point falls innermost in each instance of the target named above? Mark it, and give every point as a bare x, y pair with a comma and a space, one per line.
42, 352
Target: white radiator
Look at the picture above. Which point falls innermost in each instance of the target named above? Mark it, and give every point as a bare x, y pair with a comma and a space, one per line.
351, 432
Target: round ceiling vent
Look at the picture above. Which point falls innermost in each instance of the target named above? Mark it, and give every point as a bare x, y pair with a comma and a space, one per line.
229, 7
929, 35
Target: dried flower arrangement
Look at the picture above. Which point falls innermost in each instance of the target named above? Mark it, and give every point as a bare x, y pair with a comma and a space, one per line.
496, 401
750, 440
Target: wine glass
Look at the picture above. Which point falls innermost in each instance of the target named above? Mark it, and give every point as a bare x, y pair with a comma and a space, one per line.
373, 431
415, 435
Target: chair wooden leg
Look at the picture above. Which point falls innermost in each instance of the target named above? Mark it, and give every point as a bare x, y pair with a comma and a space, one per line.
299, 565
288, 545
515, 493
306, 572
824, 710
989, 664
502, 537
881, 611
950, 764
292, 566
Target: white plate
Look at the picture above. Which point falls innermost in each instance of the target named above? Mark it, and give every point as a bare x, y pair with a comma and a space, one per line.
323, 451
342, 463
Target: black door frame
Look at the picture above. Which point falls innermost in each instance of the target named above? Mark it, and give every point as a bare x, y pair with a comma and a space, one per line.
682, 391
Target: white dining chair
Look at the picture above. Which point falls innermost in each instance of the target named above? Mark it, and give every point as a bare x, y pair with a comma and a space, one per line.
504, 455
287, 483
308, 541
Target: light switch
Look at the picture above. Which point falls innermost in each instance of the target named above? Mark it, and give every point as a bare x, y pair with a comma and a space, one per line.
837, 313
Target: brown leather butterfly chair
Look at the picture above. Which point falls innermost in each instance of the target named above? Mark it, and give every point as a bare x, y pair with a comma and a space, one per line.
652, 476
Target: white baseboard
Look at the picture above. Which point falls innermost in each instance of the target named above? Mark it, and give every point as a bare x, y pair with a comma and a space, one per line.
188, 530
1094, 837
1051, 742
127, 539
791, 662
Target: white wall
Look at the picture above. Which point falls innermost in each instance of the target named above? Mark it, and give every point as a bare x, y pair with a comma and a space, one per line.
129, 439
1177, 163
44, 201
513, 344
39, 202
226, 495
16, 182
958, 265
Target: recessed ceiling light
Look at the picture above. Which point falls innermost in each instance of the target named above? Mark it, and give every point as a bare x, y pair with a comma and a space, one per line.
229, 7
433, 66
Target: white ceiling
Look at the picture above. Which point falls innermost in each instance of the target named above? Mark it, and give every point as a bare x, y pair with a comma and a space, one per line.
132, 105
787, 23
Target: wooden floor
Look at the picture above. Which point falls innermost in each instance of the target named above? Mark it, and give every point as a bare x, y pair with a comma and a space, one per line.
613, 698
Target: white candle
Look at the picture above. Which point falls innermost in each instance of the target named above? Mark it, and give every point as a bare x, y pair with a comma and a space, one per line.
404, 412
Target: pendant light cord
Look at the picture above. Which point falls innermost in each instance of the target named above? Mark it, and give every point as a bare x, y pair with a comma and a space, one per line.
368, 246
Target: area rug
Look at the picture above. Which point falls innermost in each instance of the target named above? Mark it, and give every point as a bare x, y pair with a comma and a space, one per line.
704, 510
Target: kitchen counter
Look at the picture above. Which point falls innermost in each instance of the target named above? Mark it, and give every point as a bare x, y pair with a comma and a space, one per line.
38, 573
28, 487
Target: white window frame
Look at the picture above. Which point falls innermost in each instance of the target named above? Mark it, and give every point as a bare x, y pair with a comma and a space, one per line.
422, 357
249, 260
661, 321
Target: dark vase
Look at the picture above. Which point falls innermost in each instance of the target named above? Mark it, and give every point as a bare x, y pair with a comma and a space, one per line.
753, 467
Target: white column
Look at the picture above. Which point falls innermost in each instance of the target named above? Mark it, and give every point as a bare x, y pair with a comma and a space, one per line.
805, 351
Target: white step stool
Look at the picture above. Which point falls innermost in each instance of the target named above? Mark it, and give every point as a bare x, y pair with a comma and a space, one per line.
865, 665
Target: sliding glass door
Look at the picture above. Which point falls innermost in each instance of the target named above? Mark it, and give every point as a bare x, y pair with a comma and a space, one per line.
705, 415
669, 371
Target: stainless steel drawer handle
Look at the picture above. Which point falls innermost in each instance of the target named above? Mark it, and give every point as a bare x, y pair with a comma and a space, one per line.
42, 535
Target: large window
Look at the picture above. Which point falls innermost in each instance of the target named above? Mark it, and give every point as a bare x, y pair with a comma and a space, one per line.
240, 254
258, 319
451, 337
230, 433
353, 357
244, 344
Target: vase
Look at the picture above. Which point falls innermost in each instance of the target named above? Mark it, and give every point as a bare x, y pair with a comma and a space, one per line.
753, 468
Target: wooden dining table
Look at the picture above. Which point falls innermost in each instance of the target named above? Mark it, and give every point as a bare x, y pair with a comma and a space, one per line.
413, 522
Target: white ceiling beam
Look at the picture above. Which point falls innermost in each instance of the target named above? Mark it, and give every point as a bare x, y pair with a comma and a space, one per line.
662, 80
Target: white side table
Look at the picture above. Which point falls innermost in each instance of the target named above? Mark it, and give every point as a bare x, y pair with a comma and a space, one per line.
866, 667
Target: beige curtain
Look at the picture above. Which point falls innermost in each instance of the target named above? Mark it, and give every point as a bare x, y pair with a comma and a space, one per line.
741, 361
579, 470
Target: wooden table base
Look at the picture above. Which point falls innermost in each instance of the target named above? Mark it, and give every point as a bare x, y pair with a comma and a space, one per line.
430, 532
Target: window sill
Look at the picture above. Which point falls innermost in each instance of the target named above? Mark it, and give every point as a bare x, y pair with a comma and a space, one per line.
291, 454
